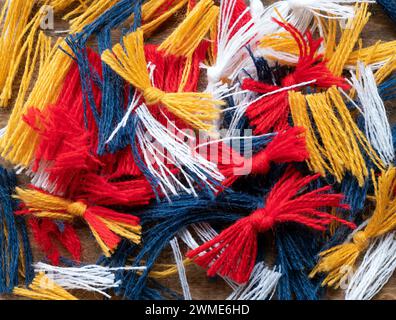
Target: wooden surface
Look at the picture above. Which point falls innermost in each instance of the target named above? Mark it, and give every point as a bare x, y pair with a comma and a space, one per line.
380, 27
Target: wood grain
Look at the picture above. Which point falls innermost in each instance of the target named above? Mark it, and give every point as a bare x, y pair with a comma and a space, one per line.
379, 27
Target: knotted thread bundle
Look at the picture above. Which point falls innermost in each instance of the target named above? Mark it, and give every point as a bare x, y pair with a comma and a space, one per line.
287, 146
233, 252
340, 260
271, 112
197, 109
107, 226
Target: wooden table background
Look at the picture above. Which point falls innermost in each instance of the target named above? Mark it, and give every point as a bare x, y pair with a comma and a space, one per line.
380, 27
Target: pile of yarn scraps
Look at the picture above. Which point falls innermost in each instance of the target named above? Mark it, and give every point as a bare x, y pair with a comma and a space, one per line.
250, 139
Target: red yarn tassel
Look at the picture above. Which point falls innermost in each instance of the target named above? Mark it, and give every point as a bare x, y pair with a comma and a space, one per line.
272, 112
102, 191
168, 74
233, 252
107, 226
47, 233
287, 146
66, 146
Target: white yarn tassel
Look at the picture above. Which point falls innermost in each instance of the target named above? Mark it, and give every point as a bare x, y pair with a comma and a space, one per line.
332, 9
179, 154
180, 268
93, 278
377, 125
261, 285
163, 146
231, 51
376, 269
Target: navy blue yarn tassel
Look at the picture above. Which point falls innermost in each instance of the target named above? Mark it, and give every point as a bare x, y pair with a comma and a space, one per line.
113, 99
112, 86
297, 248
13, 237
170, 218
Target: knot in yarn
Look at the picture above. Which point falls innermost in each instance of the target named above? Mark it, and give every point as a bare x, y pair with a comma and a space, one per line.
360, 240
260, 163
261, 221
77, 209
153, 95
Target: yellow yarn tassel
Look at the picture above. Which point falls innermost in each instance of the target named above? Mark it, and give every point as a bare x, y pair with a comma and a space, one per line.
85, 14
283, 42
43, 288
61, 5
20, 141
185, 39
16, 41
212, 53
339, 261
43, 205
383, 51
151, 24
198, 109
317, 153
386, 70
348, 40
340, 55
340, 139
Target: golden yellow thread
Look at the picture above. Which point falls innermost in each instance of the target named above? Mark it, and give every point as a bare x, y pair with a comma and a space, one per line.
149, 26
340, 139
198, 109
169, 271
386, 70
348, 39
44, 205
43, 288
299, 111
17, 39
339, 260
212, 53
77, 209
185, 39
20, 141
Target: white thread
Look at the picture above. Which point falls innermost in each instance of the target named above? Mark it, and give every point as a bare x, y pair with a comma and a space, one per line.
3, 131
205, 233
304, 13
180, 268
124, 120
93, 278
180, 155
375, 270
335, 9
261, 285
231, 51
162, 146
377, 126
